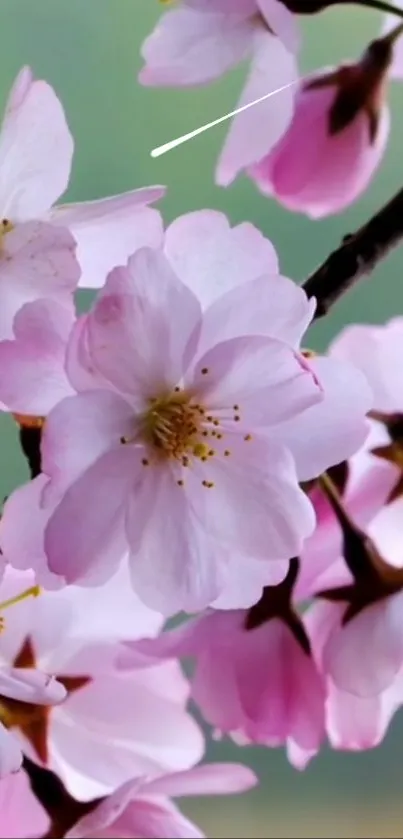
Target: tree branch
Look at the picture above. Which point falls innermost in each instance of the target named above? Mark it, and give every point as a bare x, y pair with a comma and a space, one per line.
357, 256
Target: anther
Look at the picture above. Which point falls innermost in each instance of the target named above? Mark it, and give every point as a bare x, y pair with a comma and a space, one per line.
237, 418
227, 453
145, 462
235, 407
204, 371
216, 422
247, 437
180, 483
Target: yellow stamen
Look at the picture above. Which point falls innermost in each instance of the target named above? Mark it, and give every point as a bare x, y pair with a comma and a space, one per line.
34, 591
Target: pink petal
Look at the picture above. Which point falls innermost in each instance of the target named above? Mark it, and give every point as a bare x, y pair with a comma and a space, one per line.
85, 539
21, 813
333, 429
22, 528
10, 753
265, 377
108, 231
188, 48
244, 581
330, 171
386, 529
354, 722
32, 686
268, 305
282, 22
121, 726
139, 330
255, 506
36, 149
377, 628
78, 431
40, 262
254, 132
174, 563
228, 257
32, 374
208, 779
129, 815
373, 349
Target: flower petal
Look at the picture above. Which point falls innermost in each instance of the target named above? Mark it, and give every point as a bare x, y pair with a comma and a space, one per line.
189, 48
333, 429
378, 628
255, 506
108, 231
38, 261
85, 539
32, 374
30, 685
10, 752
36, 149
78, 431
175, 565
207, 779
140, 327
263, 376
254, 132
228, 257
270, 305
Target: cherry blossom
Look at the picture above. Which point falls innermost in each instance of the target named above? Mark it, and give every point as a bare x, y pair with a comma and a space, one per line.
343, 116
255, 678
212, 399
36, 150
142, 807
111, 726
200, 40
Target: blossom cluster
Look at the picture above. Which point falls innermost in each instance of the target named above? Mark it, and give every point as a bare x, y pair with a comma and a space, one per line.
190, 456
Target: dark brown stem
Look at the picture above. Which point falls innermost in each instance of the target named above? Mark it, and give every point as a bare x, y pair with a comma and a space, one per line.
309, 7
357, 256
62, 809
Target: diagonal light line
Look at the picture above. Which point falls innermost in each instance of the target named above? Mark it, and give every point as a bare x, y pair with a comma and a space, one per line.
185, 137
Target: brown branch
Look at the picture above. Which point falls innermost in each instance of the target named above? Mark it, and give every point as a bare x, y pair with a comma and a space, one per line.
357, 256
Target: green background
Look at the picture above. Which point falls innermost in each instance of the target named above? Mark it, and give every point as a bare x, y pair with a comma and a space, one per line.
89, 51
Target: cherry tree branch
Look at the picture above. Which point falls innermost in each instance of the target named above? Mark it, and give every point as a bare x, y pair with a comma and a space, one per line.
358, 255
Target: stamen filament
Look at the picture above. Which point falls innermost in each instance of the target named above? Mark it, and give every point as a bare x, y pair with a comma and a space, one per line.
34, 591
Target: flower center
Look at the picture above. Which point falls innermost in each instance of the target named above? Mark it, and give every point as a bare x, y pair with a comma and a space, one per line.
173, 426
6, 226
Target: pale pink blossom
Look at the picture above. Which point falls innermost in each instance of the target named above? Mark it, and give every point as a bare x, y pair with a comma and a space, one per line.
22, 686
22, 817
353, 722
198, 40
36, 250
335, 142
142, 807
258, 684
119, 473
112, 725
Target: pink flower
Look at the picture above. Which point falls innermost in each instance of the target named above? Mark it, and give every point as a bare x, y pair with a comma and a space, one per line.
202, 39
353, 723
111, 726
22, 817
255, 678
344, 120
37, 258
18, 688
143, 808
189, 455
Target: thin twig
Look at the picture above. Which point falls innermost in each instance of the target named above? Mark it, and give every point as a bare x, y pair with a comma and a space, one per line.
357, 256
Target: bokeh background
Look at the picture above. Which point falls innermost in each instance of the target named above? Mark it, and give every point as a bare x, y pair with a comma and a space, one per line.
89, 51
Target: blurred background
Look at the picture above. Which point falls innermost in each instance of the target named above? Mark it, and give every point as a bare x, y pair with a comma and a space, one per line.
89, 51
